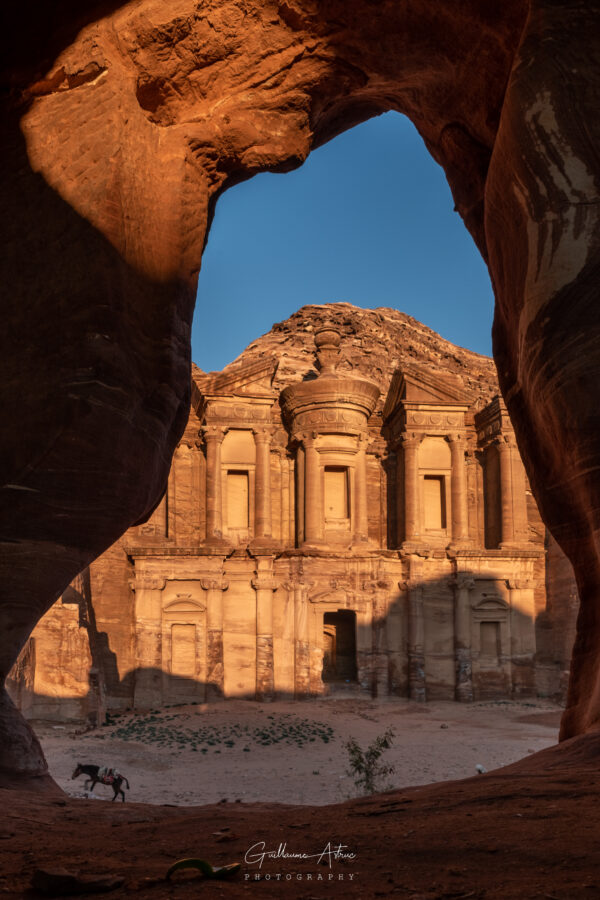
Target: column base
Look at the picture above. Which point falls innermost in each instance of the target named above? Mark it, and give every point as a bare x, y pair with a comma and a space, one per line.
264, 546
411, 546
460, 545
217, 544
315, 545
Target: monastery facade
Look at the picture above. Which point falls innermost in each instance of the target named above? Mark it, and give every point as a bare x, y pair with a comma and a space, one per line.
318, 538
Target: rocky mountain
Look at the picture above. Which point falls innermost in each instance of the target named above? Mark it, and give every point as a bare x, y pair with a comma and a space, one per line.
374, 344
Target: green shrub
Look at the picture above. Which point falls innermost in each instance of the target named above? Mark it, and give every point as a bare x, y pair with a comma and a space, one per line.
364, 765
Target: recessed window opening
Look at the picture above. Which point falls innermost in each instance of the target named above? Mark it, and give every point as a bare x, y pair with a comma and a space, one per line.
337, 504
434, 502
238, 497
489, 647
339, 646
183, 650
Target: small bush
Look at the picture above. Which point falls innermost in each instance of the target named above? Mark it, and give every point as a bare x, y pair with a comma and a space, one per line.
365, 768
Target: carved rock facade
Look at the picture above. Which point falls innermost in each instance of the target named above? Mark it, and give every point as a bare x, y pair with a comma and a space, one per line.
323, 531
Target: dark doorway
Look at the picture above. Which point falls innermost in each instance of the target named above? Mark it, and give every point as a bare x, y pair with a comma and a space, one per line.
339, 642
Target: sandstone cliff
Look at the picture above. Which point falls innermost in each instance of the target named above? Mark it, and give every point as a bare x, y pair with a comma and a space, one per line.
375, 343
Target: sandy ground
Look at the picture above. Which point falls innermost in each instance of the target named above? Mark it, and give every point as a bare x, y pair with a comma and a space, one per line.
294, 752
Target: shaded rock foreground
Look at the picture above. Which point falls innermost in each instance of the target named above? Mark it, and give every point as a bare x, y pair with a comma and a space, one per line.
525, 831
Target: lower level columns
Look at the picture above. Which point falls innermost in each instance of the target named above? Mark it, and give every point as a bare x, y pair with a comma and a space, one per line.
416, 640
301, 642
264, 585
463, 690
148, 651
215, 669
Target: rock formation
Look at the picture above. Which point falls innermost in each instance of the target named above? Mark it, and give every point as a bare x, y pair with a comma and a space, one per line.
122, 125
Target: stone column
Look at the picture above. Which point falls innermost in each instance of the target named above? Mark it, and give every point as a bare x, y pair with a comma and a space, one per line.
301, 641
300, 484
215, 665
416, 640
264, 585
361, 527
284, 465
313, 493
506, 491
400, 503
458, 487
148, 630
463, 685
410, 444
262, 489
380, 665
519, 496
213, 436
522, 636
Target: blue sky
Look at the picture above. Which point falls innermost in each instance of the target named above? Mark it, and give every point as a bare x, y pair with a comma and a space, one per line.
367, 219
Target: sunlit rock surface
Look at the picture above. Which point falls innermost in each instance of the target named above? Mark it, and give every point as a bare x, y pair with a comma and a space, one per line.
120, 127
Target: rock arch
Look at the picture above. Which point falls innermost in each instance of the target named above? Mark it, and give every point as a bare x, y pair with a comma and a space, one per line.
121, 127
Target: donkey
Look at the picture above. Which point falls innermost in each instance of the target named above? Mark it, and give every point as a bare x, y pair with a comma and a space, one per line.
100, 775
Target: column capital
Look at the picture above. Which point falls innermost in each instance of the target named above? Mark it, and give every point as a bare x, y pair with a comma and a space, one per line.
263, 435
412, 584
519, 585
265, 584
214, 584
148, 583
462, 583
409, 440
456, 439
214, 432
504, 441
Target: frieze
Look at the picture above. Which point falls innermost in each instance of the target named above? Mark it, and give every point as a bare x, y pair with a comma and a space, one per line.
435, 420
330, 417
240, 412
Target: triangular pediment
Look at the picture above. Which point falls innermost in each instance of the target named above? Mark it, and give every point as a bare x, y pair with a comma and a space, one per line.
253, 379
422, 386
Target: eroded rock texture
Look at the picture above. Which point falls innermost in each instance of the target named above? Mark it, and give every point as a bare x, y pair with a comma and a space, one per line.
122, 124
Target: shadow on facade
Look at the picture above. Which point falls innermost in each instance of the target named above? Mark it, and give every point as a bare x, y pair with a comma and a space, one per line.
468, 636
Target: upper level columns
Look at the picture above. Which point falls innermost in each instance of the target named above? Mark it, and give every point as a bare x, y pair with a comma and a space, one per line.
262, 502
213, 435
506, 493
410, 445
313, 492
361, 530
458, 485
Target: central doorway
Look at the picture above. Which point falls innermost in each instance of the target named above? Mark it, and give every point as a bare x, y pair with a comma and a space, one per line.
339, 646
